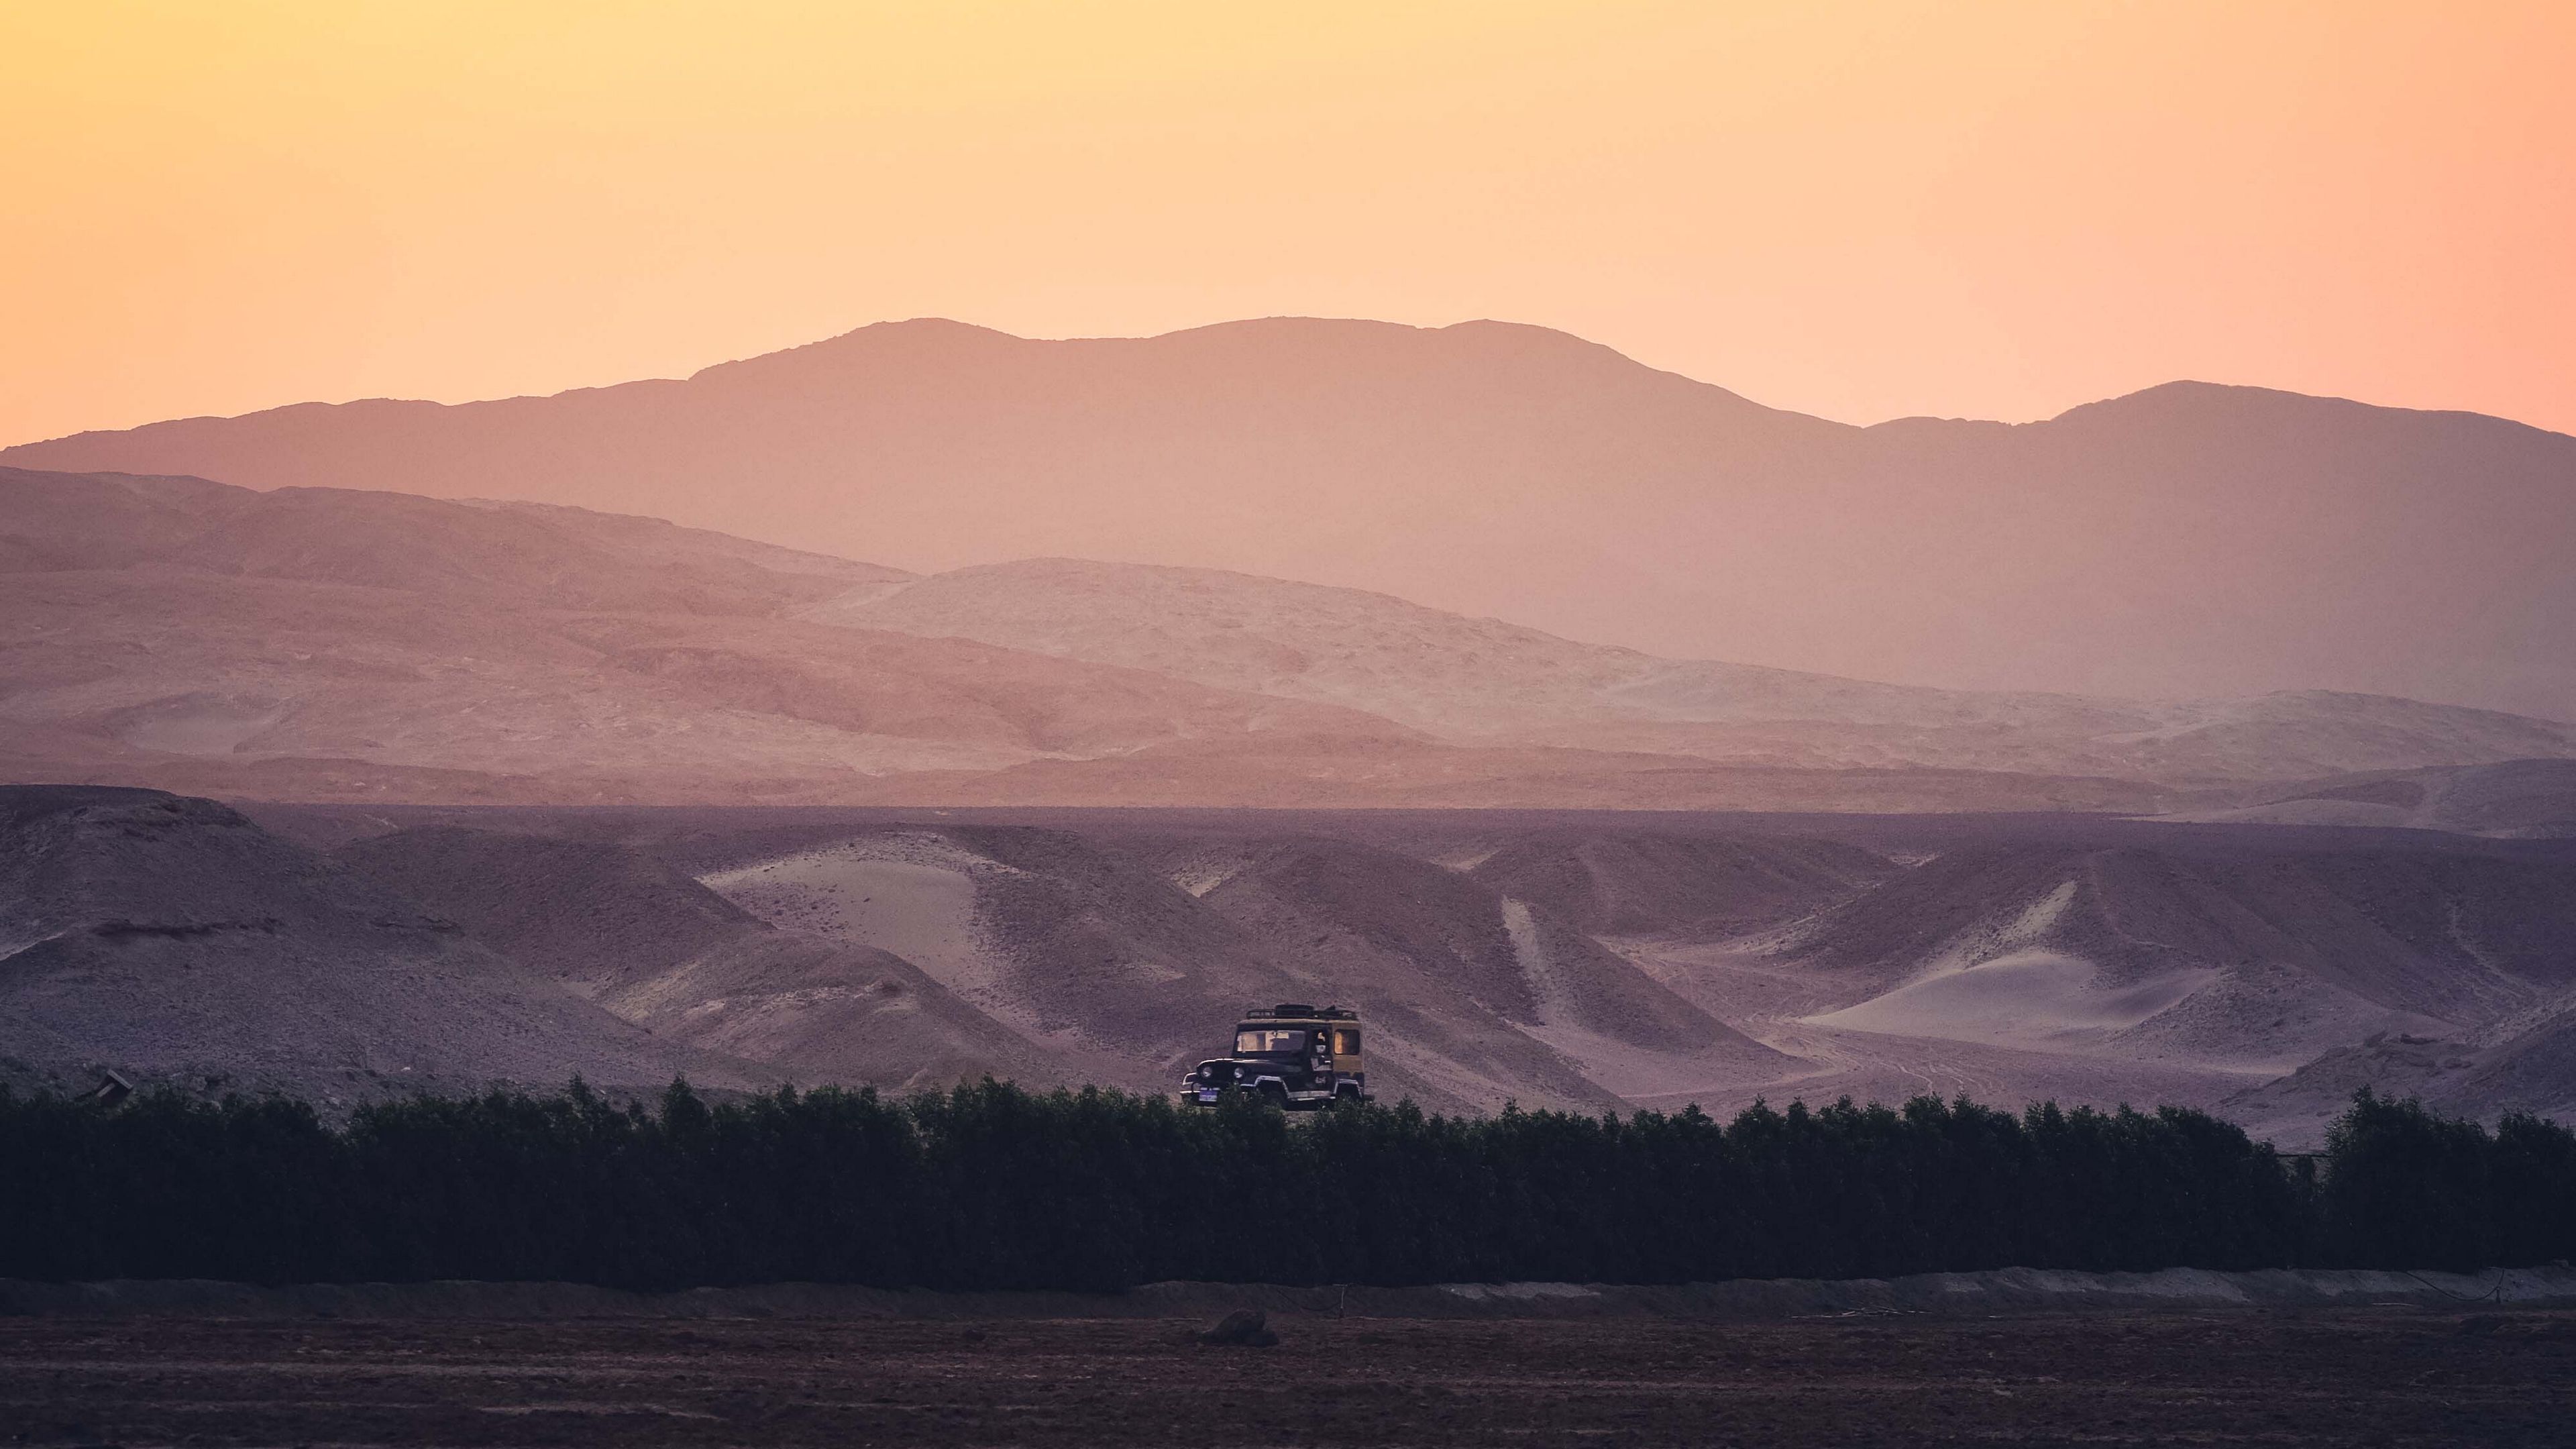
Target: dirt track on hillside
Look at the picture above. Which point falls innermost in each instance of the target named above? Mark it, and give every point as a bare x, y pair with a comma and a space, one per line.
2346, 1377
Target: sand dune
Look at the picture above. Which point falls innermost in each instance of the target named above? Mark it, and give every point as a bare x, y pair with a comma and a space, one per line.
909, 895
657, 948
2038, 999
2249, 959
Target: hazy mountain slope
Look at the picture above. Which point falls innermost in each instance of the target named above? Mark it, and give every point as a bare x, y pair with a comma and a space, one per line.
190, 669
2509, 798
1291, 771
169, 937
324, 643
1483, 681
339, 643
2189, 541
522, 556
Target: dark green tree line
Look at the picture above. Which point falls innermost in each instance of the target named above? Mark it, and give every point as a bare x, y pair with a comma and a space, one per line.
992, 1187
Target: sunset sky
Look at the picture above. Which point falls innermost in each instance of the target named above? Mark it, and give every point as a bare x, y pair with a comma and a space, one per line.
1863, 210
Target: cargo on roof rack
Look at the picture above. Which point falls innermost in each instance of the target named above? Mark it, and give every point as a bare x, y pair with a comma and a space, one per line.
1299, 1009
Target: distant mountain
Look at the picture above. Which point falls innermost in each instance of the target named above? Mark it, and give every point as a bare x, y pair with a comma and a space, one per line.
2189, 541
331, 644
1486, 682
522, 556
340, 644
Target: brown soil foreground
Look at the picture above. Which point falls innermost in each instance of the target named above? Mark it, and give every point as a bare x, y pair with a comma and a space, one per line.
1950, 1295
2334, 1376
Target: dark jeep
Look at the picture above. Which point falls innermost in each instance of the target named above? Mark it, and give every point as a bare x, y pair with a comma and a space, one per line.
1291, 1054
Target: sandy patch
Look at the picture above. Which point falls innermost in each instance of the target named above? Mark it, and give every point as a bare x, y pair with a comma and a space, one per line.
198, 724
1553, 997
2028, 998
1639, 1073
910, 896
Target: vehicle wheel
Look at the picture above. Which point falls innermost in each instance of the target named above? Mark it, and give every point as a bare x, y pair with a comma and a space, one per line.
1274, 1095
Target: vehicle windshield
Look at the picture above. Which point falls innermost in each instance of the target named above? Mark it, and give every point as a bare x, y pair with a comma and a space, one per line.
1264, 1042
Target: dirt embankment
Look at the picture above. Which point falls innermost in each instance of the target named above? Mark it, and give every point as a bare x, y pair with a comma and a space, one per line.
1956, 1295
2327, 1377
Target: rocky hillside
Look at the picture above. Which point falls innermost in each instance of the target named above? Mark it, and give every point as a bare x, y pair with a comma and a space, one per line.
173, 940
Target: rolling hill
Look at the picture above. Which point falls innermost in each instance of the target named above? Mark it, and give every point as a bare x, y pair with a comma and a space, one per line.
1487, 683
2529, 798
343, 644
662, 951
173, 940
919, 954
2256, 956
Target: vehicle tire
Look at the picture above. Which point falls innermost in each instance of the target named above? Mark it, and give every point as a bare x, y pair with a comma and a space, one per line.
1274, 1095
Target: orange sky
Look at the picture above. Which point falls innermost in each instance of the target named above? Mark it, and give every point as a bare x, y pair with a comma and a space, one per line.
1859, 210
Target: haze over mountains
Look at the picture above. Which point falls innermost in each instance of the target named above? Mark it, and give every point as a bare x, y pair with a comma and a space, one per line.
346, 644
2190, 541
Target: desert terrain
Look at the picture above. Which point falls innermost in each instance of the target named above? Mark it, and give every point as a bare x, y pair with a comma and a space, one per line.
463, 791
1758, 724
1588, 960
2319, 1377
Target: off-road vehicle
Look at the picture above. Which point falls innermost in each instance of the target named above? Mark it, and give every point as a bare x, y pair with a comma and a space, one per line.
1297, 1056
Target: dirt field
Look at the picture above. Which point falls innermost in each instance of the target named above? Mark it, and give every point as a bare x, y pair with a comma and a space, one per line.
2342, 1377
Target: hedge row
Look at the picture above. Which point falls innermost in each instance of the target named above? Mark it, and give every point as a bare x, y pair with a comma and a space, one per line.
989, 1186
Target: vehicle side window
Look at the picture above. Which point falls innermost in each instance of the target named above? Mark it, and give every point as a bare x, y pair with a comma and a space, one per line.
1346, 1041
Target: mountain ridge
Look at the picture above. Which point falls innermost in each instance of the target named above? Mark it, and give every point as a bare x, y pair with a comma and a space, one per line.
2190, 539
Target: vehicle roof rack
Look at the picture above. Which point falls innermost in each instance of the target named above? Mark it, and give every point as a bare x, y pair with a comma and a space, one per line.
1301, 1009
